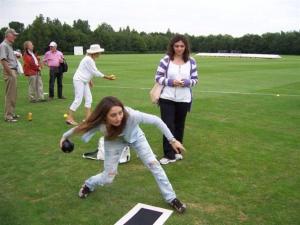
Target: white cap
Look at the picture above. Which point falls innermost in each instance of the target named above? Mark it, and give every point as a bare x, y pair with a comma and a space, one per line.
95, 48
11, 31
52, 44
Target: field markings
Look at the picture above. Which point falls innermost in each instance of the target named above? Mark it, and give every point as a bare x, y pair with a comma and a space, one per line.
197, 91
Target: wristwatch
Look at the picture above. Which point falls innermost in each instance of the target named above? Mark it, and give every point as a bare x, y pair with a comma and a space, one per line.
172, 141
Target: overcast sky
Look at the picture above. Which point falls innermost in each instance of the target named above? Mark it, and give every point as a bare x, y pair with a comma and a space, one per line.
197, 17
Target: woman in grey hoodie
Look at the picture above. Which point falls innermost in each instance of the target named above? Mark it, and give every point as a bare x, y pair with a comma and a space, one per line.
120, 127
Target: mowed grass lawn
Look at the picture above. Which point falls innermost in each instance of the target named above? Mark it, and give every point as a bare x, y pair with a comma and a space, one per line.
242, 163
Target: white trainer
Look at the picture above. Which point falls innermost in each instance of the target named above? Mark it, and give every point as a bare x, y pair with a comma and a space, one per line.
165, 161
178, 157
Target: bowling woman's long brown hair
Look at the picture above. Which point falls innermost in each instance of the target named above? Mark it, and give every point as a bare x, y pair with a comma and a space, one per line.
99, 115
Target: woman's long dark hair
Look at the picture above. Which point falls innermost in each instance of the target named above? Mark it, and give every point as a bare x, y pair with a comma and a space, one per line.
99, 115
171, 52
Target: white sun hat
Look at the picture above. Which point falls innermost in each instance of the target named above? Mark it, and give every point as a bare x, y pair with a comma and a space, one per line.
95, 48
53, 44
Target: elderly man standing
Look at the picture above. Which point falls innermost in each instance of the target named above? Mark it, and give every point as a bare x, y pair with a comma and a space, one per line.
52, 59
10, 65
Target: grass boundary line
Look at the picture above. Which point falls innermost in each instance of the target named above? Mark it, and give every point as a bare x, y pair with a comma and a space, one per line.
197, 91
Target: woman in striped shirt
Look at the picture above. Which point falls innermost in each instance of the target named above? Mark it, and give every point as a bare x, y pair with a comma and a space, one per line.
177, 72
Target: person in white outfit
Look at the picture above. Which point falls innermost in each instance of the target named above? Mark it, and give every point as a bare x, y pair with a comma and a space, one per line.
82, 82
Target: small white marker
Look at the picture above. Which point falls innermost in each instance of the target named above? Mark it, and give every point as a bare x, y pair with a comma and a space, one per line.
278, 95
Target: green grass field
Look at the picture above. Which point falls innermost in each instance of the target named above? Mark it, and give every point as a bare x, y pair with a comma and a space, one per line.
241, 166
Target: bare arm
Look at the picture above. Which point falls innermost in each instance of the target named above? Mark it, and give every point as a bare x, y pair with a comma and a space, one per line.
66, 135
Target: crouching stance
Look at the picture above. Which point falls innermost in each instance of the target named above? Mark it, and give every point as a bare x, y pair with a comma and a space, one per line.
120, 126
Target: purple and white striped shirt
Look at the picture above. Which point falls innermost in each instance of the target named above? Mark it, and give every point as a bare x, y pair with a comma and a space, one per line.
162, 78
167, 72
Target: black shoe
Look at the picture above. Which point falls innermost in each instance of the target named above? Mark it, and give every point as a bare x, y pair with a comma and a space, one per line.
90, 155
177, 205
62, 97
84, 191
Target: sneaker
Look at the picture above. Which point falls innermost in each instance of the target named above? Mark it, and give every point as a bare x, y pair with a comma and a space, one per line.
84, 191
178, 157
90, 155
11, 120
16, 116
62, 97
165, 161
177, 205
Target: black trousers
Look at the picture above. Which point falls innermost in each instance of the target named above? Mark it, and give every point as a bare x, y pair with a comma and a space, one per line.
173, 114
55, 74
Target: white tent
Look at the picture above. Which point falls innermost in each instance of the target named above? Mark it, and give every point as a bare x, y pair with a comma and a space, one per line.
78, 50
240, 55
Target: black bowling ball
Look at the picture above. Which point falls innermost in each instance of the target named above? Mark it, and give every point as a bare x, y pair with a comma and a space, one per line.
67, 146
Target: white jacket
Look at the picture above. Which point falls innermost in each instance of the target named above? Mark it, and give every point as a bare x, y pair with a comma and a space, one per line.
86, 70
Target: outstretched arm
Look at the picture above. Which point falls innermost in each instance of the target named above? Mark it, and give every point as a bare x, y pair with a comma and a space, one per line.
86, 137
93, 69
66, 135
155, 120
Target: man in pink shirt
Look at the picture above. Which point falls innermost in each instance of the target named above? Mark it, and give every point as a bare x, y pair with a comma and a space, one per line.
52, 59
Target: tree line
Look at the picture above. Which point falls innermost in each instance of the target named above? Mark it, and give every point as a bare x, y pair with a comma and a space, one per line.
125, 40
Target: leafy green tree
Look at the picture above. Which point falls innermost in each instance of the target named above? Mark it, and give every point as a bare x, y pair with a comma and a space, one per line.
37, 32
19, 27
250, 43
82, 25
104, 34
138, 44
2, 32
43, 30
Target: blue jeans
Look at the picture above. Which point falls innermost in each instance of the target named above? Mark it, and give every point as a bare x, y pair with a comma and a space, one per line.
113, 150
